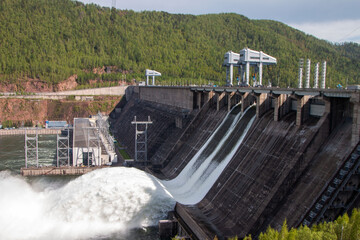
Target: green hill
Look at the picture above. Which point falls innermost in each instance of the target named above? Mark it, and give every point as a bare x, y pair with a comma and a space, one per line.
344, 227
51, 40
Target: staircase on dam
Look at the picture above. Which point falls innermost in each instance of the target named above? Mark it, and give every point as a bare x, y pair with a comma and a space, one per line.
107, 141
340, 193
321, 168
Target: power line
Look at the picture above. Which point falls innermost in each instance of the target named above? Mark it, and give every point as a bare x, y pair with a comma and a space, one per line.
349, 34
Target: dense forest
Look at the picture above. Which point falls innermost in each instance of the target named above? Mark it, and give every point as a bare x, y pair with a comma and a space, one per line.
51, 40
344, 227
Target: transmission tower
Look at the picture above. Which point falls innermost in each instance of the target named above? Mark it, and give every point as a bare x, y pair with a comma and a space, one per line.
141, 140
31, 150
63, 150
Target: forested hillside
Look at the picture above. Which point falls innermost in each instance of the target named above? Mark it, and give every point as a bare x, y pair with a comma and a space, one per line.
51, 40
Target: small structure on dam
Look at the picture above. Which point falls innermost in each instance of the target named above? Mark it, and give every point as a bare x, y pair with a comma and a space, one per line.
86, 146
55, 124
92, 144
80, 149
151, 73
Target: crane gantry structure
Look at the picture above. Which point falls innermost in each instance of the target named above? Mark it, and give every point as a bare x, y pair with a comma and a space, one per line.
243, 60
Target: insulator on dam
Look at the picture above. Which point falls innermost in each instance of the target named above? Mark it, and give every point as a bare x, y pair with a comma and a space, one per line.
301, 64
323, 75
316, 76
307, 73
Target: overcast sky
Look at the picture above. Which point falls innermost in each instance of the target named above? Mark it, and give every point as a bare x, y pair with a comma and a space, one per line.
332, 20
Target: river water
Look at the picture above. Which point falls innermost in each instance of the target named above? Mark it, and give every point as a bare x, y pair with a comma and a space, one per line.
115, 203
110, 203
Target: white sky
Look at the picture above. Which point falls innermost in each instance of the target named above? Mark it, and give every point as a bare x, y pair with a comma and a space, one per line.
332, 20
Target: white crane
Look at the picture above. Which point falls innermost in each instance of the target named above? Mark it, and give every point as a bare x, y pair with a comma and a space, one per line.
245, 59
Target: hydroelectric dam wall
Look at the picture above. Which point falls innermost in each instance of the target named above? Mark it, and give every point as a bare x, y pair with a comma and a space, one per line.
298, 161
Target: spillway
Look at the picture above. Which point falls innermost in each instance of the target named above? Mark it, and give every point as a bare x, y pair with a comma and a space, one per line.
196, 179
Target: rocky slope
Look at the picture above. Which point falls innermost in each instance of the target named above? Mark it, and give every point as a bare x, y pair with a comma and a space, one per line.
37, 111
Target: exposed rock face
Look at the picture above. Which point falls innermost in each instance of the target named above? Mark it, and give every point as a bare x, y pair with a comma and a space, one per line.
29, 85
20, 110
36, 85
99, 70
68, 84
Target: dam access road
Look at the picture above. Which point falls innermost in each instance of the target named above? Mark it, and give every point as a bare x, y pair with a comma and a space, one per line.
299, 159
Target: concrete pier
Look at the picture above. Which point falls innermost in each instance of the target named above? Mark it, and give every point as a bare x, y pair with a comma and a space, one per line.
303, 109
230, 100
219, 99
245, 100
58, 171
281, 105
4, 132
262, 103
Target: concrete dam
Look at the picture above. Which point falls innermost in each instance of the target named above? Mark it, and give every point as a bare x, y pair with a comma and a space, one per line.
265, 154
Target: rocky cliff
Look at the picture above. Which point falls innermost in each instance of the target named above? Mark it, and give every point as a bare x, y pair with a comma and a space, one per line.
22, 110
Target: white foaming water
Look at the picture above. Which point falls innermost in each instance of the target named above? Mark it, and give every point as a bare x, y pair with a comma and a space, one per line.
192, 184
96, 204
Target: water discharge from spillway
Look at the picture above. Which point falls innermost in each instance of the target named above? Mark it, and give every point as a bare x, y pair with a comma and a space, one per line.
205, 167
113, 200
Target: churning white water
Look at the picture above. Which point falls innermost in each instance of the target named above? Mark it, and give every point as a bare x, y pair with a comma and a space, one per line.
112, 200
97, 203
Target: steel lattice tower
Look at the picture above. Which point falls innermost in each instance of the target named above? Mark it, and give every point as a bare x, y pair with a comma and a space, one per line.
141, 140
31, 150
63, 150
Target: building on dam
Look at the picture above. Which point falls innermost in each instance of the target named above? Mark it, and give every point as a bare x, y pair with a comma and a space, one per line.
92, 145
80, 149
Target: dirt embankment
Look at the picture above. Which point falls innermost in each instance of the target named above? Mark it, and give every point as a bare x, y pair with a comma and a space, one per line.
37, 111
36, 85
